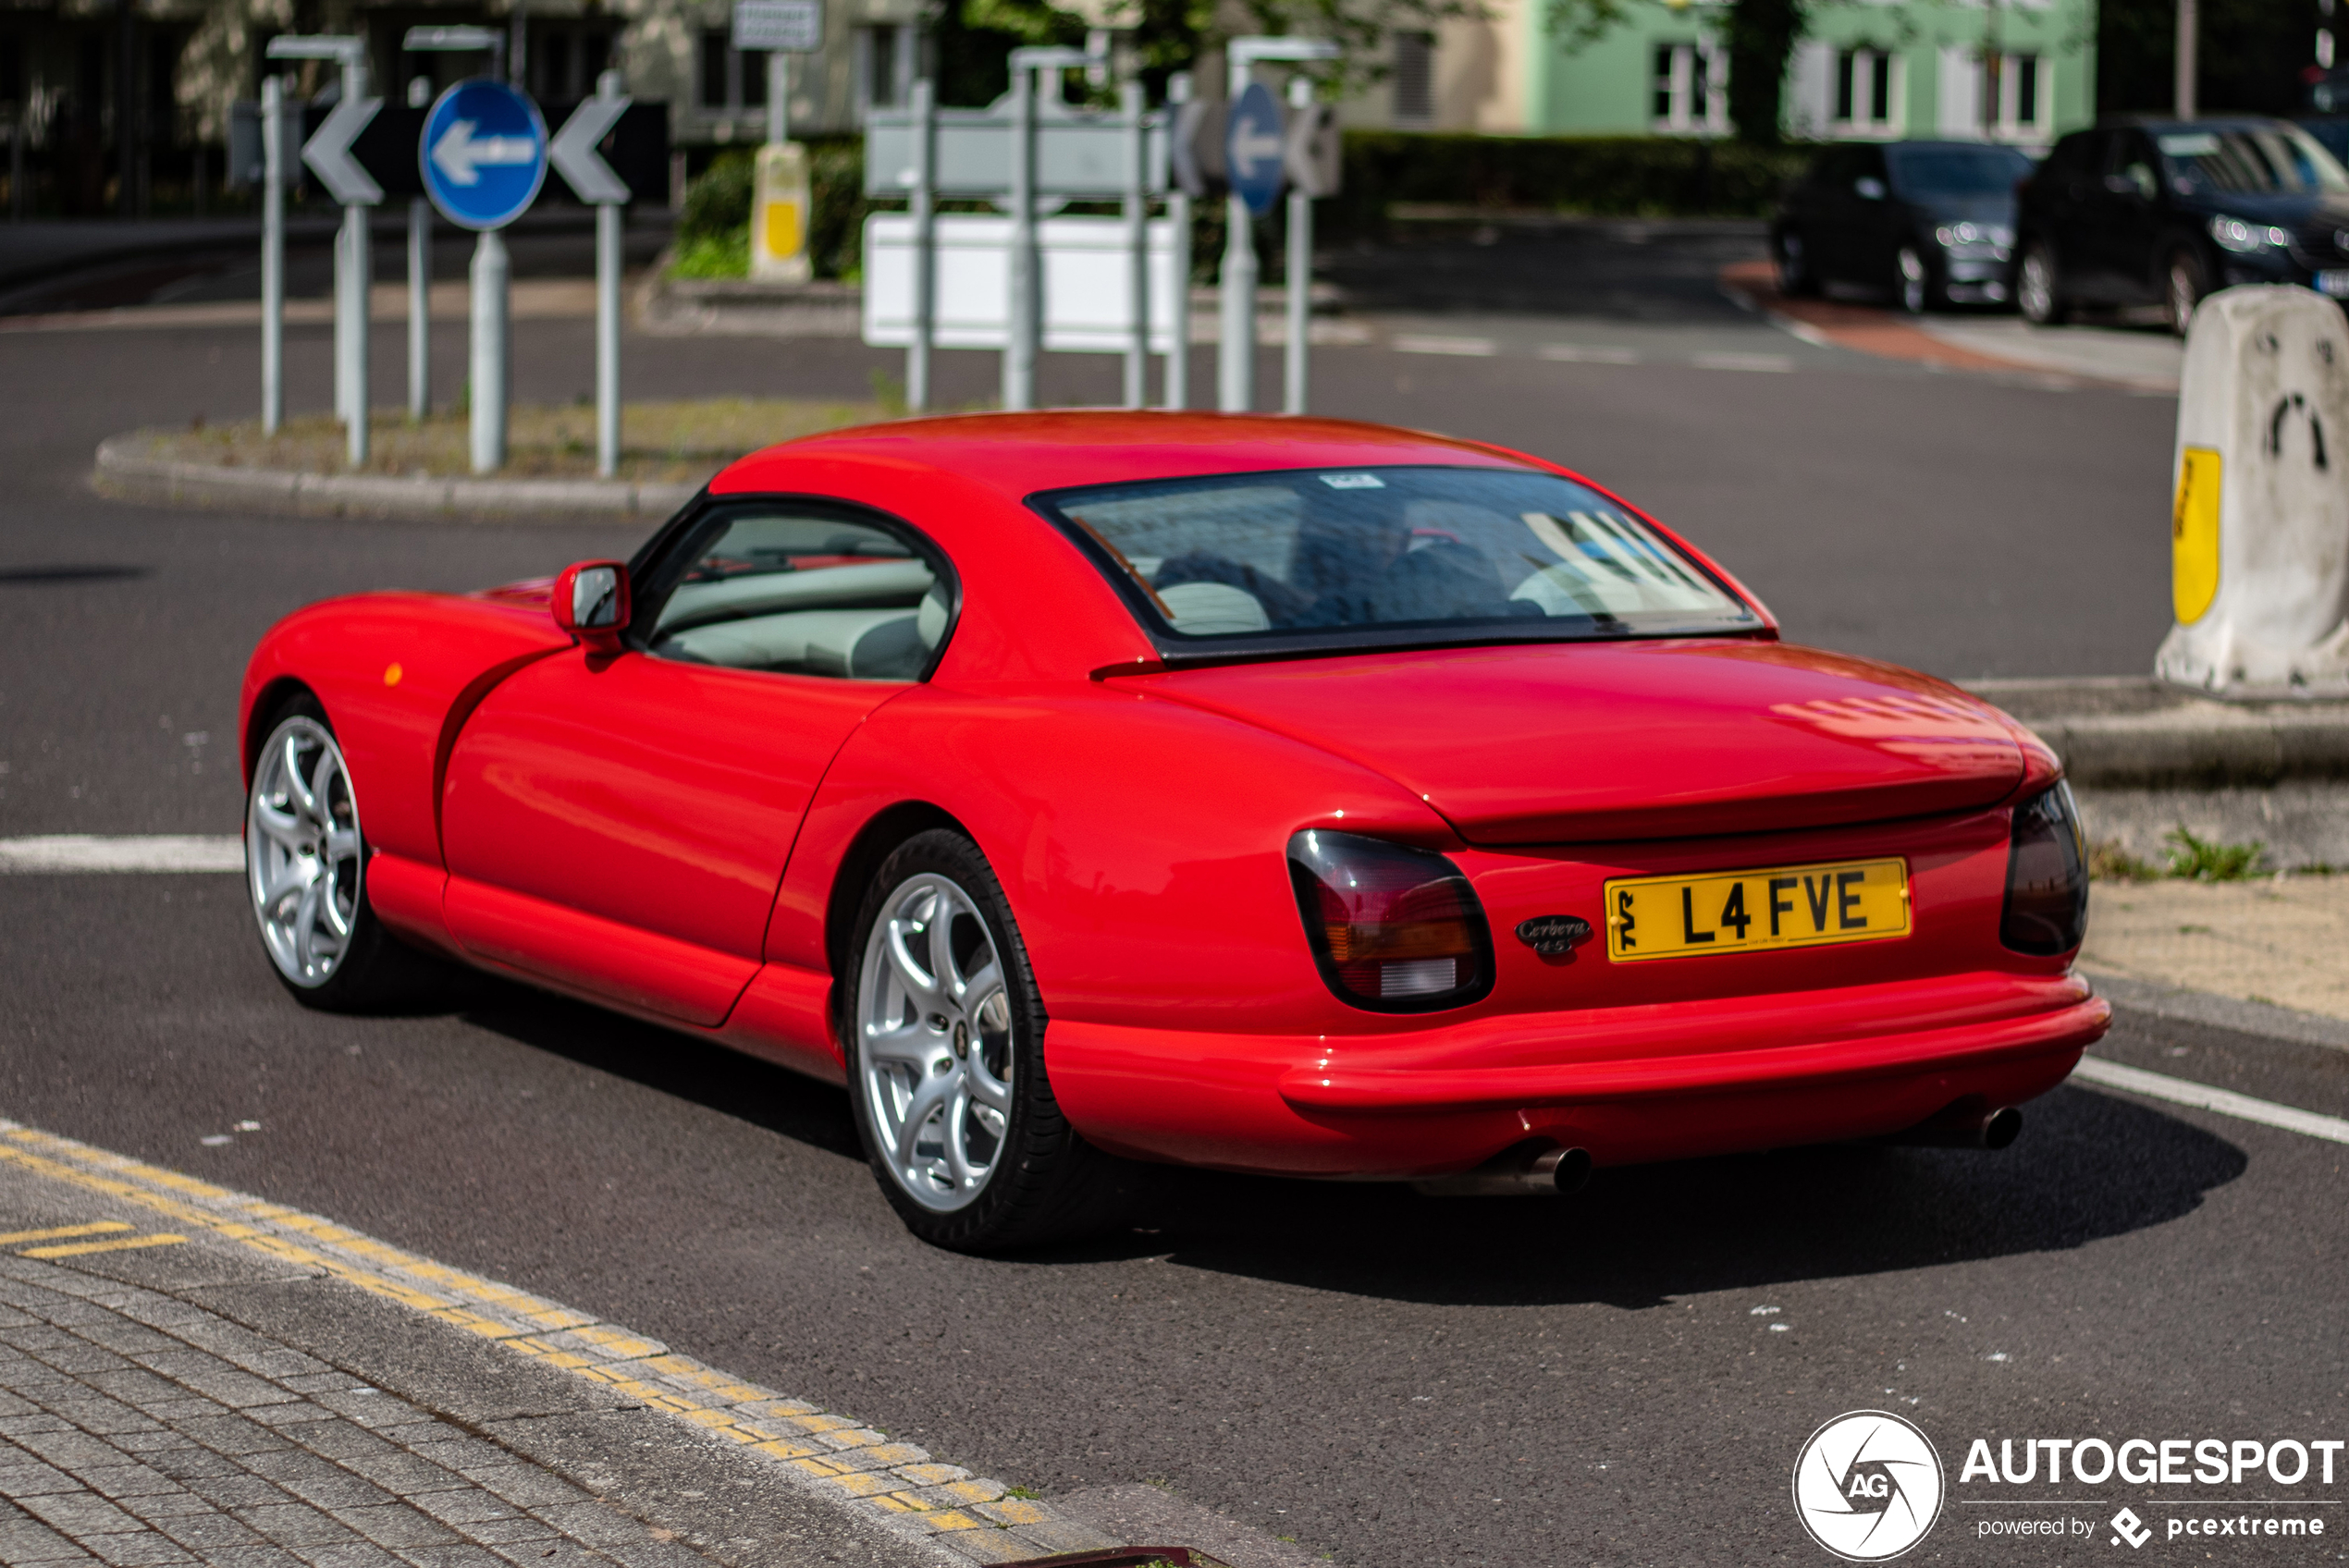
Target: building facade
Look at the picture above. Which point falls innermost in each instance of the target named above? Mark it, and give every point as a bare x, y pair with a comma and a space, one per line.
2021, 71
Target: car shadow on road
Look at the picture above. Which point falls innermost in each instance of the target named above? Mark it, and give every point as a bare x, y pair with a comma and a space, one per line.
788, 1104
2088, 1166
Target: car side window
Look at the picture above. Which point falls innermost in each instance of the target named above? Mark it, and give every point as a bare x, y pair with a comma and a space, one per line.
2131, 165
800, 589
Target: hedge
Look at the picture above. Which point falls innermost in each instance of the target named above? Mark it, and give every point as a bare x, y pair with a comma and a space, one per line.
1601, 176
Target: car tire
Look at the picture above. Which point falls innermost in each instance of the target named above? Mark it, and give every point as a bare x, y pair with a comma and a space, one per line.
1794, 266
943, 1029
1913, 282
2038, 287
2184, 281
305, 875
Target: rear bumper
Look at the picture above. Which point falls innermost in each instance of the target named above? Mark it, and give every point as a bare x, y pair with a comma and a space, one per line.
1672, 1083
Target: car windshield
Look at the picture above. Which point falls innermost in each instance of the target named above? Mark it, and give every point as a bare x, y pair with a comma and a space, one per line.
2279, 160
1381, 556
1958, 171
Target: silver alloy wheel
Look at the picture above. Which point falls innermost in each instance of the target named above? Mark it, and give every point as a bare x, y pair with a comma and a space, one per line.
2034, 288
1791, 270
934, 1042
2183, 295
1914, 280
303, 851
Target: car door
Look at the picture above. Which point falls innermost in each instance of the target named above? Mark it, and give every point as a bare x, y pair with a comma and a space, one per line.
618, 823
1833, 209
2128, 217
2060, 210
1874, 232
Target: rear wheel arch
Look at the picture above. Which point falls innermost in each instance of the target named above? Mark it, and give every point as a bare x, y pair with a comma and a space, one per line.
874, 843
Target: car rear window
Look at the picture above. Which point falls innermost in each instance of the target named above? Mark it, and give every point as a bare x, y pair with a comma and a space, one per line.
2279, 160
1376, 557
1958, 171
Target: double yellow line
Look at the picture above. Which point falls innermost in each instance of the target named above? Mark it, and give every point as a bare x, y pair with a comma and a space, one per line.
67, 1248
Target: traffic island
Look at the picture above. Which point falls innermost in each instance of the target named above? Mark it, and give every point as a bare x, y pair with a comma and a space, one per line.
2149, 760
422, 470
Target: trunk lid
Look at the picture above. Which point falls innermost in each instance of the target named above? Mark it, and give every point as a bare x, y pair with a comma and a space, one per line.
1592, 742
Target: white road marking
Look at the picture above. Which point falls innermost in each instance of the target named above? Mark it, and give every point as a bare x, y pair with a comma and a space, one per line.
1774, 362
2201, 1097
1414, 343
91, 852
1589, 354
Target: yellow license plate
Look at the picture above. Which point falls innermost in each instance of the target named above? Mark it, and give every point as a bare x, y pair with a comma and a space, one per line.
1738, 911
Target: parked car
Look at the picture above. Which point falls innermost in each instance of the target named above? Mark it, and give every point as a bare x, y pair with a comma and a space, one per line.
2164, 211
1279, 795
1930, 222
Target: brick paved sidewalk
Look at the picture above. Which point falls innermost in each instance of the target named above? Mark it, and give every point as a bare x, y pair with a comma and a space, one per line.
139, 1429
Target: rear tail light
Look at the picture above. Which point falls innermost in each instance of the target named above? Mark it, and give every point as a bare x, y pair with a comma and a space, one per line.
2046, 909
1394, 929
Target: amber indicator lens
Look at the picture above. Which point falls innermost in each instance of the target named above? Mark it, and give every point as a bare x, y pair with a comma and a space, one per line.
2046, 909
1393, 928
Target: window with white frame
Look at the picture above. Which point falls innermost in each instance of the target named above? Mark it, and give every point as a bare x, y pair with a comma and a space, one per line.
2006, 97
1869, 94
1414, 79
885, 65
1691, 89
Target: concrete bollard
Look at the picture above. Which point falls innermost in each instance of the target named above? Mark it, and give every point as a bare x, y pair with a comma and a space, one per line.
2260, 527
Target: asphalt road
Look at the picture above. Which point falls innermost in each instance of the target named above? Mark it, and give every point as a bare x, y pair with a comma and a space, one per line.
1623, 1377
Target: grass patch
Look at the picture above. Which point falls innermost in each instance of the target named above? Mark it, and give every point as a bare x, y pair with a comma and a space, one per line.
2198, 859
724, 254
672, 442
2108, 862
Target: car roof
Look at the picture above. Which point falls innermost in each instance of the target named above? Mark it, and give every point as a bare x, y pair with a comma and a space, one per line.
2207, 122
1020, 454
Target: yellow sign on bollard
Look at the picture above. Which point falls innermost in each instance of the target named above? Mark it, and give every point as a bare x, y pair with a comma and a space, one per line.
2193, 535
778, 214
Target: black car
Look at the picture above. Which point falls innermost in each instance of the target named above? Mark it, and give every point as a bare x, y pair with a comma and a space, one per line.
2165, 210
1931, 223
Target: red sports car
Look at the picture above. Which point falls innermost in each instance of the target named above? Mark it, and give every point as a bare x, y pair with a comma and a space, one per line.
1278, 795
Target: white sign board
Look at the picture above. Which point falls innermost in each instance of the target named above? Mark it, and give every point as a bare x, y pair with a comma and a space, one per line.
1086, 288
787, 27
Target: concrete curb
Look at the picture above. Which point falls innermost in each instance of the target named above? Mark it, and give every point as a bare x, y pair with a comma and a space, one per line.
2136, 732
2220, 1012
127, 470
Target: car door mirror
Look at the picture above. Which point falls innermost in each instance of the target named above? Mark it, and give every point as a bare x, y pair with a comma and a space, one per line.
591, 603
1869, 187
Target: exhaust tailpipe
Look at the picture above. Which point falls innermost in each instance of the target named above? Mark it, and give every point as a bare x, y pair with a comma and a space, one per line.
1963, 1128
1552, 1173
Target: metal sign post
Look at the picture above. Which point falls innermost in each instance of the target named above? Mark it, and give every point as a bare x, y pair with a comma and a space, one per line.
782, 195
574, 157
924, 205
1253, 165
273, 253
1178, 383
1027, 284
327, 153
1312, 156
1133, 107
419, 284
484, 157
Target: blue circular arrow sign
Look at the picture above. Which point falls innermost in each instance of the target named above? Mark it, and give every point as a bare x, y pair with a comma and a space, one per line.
484, 153
1252, 148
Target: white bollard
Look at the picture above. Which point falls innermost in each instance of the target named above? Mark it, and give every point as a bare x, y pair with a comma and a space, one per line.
2260, 527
